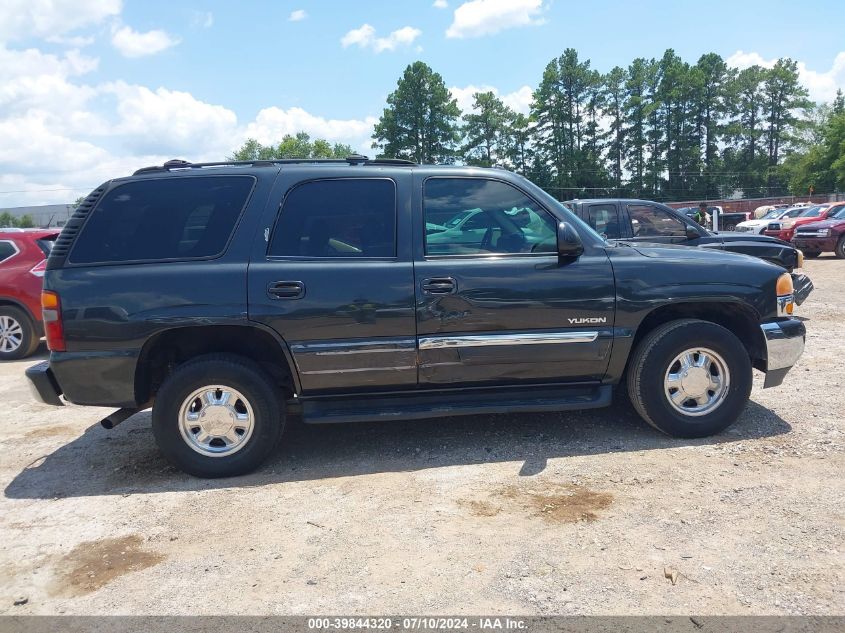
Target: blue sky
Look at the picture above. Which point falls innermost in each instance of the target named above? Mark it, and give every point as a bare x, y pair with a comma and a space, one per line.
91, 89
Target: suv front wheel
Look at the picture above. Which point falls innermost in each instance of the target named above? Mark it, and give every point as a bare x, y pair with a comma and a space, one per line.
690, 378
217, 416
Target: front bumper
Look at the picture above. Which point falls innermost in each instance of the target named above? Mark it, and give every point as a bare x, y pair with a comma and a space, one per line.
784, 234
43, 385
802, 287
784, 346
815, 244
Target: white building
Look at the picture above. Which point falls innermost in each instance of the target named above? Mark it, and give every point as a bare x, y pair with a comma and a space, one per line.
45, 215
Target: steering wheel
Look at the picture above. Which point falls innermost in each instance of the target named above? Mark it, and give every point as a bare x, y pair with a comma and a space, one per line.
487, 240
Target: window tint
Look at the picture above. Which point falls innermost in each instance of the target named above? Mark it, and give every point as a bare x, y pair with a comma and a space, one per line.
649, 221
338, 218
484, 217
171, 218
604, 218
7, 249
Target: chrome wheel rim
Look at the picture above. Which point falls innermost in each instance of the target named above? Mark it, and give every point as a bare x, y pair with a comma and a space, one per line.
697, 382
216, 420
11, 334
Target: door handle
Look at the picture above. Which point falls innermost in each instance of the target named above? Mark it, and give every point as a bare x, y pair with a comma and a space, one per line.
286, 290
439, 286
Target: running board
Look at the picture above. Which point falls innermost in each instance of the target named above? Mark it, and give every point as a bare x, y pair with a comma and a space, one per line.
445, 404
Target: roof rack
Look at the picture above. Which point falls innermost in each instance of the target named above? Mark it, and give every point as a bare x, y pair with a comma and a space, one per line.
354, 159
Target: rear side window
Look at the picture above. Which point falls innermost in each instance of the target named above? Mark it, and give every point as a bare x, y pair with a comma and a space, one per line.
337, 218
7, 249
172, 218
604, 218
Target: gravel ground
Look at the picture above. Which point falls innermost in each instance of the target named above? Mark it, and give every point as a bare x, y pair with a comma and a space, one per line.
584, 513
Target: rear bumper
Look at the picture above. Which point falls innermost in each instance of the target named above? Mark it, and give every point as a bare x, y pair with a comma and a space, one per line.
784, 346
43, 384
815, 244
803, 286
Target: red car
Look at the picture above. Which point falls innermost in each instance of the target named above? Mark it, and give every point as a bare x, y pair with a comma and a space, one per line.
785, 229
823, 237
23, 254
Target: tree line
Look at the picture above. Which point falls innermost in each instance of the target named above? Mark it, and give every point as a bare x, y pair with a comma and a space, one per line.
662, 129
7, 220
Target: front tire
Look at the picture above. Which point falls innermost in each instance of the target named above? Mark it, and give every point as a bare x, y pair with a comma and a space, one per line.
840, 248
812, 254
18, 337
217, 416
690, 378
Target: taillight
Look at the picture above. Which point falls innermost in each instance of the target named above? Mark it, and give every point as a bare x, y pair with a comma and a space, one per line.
51, 311
39, 269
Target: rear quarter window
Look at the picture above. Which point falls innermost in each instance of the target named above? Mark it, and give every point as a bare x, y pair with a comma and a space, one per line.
163, 219
7, 250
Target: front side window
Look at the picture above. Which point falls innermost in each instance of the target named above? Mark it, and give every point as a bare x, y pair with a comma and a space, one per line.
484, 217
604, 218
163, 219
649, 221
337, 218
7, 249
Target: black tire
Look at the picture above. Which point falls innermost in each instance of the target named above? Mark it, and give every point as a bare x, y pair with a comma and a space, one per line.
811, 254
24, 338
652, 360
840, 248
233, 372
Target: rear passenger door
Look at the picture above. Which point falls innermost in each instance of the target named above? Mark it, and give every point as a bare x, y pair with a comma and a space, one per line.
332, 274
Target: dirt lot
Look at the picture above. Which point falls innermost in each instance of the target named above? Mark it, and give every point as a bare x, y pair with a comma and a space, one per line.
529, 514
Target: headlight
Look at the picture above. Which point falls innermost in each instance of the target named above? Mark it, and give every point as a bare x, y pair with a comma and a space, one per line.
787, 225
785, 296
800, 259
823, 232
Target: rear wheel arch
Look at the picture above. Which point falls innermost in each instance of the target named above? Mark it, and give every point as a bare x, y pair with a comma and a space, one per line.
169, 349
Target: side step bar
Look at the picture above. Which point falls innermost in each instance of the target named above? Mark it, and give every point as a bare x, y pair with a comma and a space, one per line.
444, 404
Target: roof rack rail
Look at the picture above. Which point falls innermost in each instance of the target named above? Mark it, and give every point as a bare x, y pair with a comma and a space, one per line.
355, 159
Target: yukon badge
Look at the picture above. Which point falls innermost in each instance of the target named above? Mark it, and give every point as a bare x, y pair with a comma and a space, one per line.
582, 320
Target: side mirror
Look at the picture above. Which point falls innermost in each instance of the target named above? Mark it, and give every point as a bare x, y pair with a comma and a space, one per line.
569, 245
692, 233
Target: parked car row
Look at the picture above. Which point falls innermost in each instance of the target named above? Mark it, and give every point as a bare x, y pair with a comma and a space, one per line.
823, 236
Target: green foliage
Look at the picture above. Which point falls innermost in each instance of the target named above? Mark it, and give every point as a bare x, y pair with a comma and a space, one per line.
7, 220
298, 146
420, 121
486, 132
25, 222
822, 166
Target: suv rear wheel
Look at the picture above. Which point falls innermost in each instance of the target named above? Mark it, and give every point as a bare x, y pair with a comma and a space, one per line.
690, 378
18, 338
217, 416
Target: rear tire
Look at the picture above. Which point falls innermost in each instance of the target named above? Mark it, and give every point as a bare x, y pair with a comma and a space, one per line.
218, 416
690, 378
18, 336
840, 248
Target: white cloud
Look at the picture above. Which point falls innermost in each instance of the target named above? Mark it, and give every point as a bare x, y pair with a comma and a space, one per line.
298, 15
365, 37
273, 123
169, 121
486, 17
131, 43
441, 4
822, 86
518, 100
20, 19
76, 41
202, 19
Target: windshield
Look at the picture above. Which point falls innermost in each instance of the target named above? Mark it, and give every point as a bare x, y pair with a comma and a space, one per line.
839, 215
771, 214
812, 212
